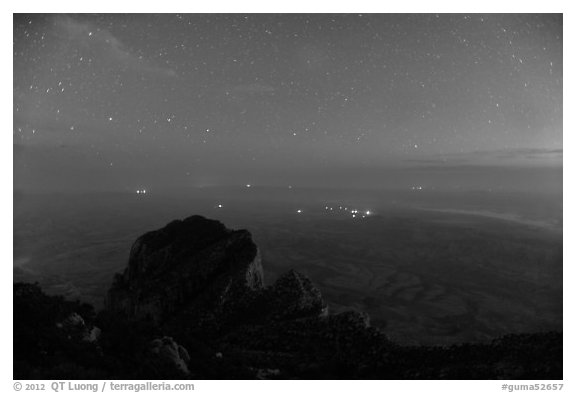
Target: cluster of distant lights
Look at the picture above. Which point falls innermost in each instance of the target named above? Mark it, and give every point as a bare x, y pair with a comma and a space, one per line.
250, 185
353, 212
142, 191
418, 188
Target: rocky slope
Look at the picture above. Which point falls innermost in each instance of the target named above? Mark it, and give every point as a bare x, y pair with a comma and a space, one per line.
192, 304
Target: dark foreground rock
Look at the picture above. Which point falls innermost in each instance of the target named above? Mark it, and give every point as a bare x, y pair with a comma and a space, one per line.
194, 266
192, 304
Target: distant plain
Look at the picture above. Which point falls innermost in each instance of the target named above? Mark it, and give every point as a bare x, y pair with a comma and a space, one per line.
428, 266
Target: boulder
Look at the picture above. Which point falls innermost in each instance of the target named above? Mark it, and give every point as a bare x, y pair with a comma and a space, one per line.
170, 352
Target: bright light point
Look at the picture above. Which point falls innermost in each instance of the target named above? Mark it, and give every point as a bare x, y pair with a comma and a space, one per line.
326, 207
298, 211
289, 187
137, 191
248, 185
219, 206
353, 215
367, 212
363, 216
109, 119
415, 146
143, 191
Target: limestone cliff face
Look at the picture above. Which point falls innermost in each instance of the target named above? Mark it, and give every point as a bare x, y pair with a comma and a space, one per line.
195, 265
197, 280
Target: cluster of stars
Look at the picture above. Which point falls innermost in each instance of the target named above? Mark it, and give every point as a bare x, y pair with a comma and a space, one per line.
317, 89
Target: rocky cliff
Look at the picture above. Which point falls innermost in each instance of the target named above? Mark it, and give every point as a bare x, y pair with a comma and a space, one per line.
194, 266
198, 271
197, 279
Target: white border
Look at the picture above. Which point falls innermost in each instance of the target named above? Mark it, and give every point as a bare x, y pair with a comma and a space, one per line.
300, 6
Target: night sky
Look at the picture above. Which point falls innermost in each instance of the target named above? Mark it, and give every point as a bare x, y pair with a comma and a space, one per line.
113, 102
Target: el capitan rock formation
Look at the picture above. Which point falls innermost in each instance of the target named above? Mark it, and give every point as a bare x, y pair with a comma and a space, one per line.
196, 278
195, 266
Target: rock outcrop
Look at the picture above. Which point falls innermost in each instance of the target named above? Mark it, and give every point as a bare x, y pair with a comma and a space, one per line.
294, 296
197, 279
74, 324
194, 266
171, 352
